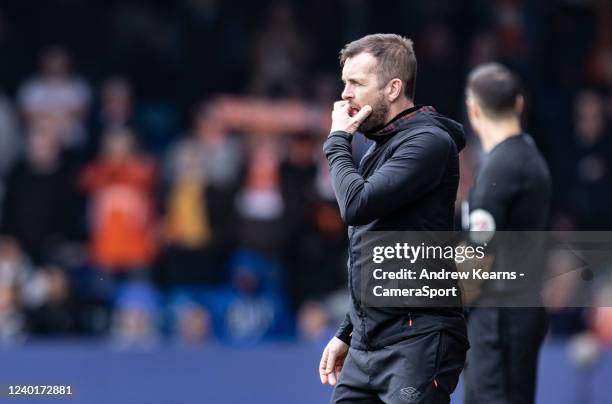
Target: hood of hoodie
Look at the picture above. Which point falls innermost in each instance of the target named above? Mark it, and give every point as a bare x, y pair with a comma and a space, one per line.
420, 115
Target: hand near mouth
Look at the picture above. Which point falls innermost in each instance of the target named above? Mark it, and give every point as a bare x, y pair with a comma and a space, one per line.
346, 118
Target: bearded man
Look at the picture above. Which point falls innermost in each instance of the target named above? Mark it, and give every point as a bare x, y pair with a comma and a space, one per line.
407, 181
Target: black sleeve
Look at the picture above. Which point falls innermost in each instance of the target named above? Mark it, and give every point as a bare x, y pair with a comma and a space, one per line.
345, 330
415, 167
492, 195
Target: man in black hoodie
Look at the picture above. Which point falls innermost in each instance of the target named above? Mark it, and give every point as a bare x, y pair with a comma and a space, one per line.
407, 181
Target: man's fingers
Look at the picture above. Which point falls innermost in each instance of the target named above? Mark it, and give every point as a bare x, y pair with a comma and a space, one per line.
324, 378
323, 366
330, 366
323, 362
331, 362
362, 114
340, 104
332, 379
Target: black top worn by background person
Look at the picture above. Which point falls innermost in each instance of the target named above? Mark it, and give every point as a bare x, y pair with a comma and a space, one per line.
513, 187
407, 181
41, 209
512, 193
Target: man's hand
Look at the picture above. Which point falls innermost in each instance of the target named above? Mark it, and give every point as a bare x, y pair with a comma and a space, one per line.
332, 361
343, 121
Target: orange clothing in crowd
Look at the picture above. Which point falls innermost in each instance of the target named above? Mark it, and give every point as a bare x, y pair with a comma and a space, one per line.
121, 211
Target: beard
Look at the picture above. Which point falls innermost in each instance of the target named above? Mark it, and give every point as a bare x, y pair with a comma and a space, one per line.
377, 118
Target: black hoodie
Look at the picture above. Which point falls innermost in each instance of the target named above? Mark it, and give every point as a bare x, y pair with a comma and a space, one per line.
407, 181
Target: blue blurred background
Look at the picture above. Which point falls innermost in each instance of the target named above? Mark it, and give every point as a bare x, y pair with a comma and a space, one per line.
168, 231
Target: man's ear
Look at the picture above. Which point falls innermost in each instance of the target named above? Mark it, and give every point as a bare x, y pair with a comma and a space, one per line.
472, 107
394, 89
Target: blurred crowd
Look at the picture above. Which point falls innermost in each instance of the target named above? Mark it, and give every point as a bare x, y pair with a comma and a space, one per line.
161, 174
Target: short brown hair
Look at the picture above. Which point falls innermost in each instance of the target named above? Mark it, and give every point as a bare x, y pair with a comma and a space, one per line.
395, 56
495, 88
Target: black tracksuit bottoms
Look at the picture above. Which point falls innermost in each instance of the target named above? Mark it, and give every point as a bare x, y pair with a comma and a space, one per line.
421, 369
503, 359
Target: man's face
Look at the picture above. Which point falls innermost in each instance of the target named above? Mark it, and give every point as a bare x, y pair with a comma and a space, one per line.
361, 87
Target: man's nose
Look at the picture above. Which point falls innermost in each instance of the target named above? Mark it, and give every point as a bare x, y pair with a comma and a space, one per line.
347, 94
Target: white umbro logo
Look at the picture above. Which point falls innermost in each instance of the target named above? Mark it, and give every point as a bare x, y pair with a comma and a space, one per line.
409, 394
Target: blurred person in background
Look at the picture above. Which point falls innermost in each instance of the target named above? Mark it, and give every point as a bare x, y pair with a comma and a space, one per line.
313, 321
122, 221
297, 173
315, 247
57, 313
45, 294
223, 152
187, 233
41, 195
259, 203
202, 172
135, 316
116, 104
192, 323
588, 165
55, 90
298, 170
251, 307
223, 158
511, 192
115, 110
